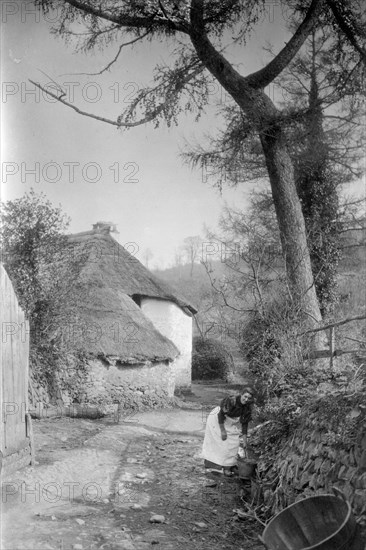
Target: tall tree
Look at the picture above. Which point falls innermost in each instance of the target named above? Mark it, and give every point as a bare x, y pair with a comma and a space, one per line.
317, 189
328, 141
198, 28
147, 256
192, 248
325, 139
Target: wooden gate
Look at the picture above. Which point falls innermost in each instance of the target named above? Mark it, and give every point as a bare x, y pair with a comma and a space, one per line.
15, 433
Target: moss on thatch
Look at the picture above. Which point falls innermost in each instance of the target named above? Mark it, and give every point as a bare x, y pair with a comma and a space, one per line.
105, 258
108, 323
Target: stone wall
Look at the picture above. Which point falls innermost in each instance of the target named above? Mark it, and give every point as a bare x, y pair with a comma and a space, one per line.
149, 377
106, 383
176, 325
326, 450
16, 460
97, 384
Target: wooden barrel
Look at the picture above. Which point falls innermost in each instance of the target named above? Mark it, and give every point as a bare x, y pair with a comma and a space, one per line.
323, 522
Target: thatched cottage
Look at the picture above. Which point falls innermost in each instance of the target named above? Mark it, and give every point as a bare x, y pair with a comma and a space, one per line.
136, 330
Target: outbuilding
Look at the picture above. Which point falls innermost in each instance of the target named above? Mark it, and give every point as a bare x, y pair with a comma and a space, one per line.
135, 329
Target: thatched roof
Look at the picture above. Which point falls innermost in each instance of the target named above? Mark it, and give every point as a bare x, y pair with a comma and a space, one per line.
107, 321
109, 324
121, 270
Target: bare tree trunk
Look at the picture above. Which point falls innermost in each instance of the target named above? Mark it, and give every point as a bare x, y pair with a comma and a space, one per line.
290, 218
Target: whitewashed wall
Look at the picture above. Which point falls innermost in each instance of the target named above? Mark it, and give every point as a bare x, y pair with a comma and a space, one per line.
176, 325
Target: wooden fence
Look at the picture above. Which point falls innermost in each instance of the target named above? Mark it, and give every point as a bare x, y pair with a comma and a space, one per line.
16, 442
332, 352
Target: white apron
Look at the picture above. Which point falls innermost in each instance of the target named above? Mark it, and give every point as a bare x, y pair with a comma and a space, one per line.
214, 448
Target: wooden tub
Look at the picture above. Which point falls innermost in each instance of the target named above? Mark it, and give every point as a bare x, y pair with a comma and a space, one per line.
323, 522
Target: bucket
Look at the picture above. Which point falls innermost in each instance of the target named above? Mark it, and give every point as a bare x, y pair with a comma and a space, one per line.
323, 522
246, 467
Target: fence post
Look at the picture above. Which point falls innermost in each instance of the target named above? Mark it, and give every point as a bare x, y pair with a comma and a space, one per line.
331, 345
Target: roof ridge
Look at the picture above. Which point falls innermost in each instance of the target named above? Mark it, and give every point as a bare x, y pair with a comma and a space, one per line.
135, 278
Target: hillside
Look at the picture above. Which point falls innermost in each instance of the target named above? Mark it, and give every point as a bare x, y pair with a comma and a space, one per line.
197, 286
217, 321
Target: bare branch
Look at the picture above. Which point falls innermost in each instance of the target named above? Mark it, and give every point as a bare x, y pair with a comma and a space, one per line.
359, 245
263, 77
117, 122
336, 324
233, 82
362, 228
90, 32
59, 88
130, 124
107, 67
221, 293
355, 340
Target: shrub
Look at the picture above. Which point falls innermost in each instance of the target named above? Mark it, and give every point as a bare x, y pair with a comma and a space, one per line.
273, 349
210, 359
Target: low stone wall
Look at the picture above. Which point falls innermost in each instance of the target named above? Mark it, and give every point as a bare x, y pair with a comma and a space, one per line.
17, 460
106, 383
142, 378
326, 450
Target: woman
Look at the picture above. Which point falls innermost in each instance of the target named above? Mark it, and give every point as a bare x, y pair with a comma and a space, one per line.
225, 425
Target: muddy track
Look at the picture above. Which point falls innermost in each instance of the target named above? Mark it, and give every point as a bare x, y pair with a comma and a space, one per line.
98, 484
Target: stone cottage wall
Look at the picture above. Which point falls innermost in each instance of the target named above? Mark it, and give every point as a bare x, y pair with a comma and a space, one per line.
153, 378
328, 449
106, 384
172, 322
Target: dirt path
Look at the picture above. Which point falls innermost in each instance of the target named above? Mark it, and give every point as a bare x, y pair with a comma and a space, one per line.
99, 484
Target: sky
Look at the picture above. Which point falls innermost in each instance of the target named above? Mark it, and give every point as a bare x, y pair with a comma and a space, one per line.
136, 178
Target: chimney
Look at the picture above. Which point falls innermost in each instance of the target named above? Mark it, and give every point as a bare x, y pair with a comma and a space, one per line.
105, 227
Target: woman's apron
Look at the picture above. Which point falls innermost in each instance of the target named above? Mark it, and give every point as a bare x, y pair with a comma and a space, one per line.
214, 448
